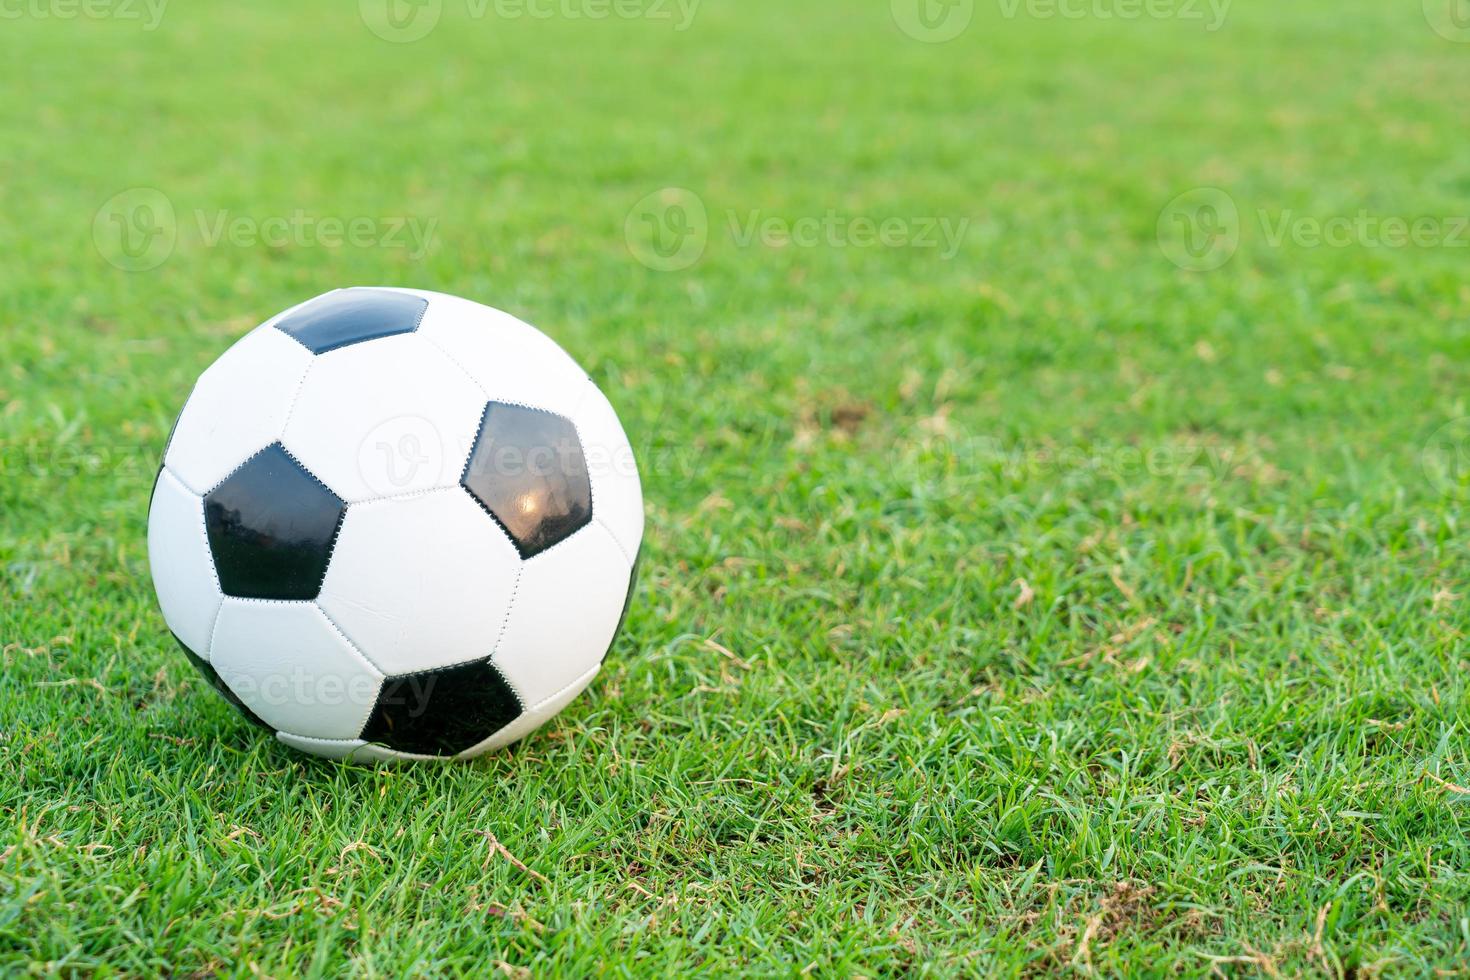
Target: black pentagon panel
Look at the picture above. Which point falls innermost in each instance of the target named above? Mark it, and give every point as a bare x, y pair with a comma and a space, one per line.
271, 528
442, 712
212, 676
350, 316
528, 471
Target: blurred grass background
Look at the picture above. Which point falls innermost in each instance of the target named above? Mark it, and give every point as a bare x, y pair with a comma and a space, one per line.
1049, 607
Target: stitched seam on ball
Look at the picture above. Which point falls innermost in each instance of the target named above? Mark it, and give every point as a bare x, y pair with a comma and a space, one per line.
331, 549
583, 678
278, 328
325, 741
470, 459
351, 645
515, 590
564, 541
488, 661
591, 484
237, 469
275, 322
616, 543
592, 488
406, 495
516, 403
587, 466
219, 614
295, 459
168, 442
181, 481
465, 474
474, 439
341, 514
531, 408
219, 607
295, 397
453, 360
485, 413
515, 545
547, 700
478, 658
394, 754
208, 551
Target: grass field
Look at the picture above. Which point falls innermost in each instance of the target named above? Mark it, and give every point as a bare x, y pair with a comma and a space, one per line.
1055, 449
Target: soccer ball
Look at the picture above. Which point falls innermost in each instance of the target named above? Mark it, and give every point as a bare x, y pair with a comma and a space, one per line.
395, 524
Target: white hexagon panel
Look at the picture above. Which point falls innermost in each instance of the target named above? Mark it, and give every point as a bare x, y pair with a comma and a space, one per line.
420, 583
384, 418
238, 406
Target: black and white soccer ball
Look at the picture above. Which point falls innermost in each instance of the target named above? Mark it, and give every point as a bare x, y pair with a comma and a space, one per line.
396, 524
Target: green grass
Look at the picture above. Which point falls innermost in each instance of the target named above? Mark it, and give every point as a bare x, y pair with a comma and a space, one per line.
1048, 608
